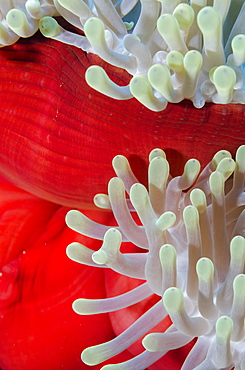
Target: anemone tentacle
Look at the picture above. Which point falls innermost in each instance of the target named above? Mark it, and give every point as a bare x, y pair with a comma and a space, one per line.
193, 260
173, 50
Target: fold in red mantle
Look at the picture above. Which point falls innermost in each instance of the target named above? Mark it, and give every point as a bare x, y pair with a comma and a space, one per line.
58, 136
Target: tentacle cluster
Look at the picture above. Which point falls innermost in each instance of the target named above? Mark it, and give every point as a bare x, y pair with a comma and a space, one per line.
173, 49
192, 236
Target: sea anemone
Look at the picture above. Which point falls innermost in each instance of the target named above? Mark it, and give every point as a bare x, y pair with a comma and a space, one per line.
191, 235
68, 126
174, 50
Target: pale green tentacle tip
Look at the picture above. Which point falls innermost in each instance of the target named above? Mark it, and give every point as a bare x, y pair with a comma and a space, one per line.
237, 248
115, 183
167, 24
71, 217
198, 199
208, 19
141, 89
156, 153
33, 7
120, 164
102, 201
100, 257
175, 61
168, 27
152, 342
81, 306
139, 195
111, 245
167, 255
205, 269
16, 20
94, 29
49, 27
159, 77
224, 79
193, 61
217, 158
191, 171
239, 287
191, 217
184, 14
238, 48
166, 220
173, 300
226, 166
240, 158
97, 78
113, 235
224, 327
91, 356
137, 83
158, 72
216, 182
222, 356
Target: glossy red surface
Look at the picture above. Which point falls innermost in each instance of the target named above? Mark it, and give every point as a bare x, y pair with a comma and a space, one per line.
59, 136
38, 283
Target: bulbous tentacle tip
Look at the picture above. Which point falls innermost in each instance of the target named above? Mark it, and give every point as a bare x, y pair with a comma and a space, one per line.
166, 220
149, 342
18, 22
238, 308
97, 78
238, 47
224, 79
102, 201
168, 27
71, 216
157, 153
240, 158
185, 15
111, 245
223, 356
70, 250
49, 27
90, 357
205, 270
160, 79
141, 89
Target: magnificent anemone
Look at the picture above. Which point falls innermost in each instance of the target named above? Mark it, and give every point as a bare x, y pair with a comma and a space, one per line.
175, 61
192, 237
174, 50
